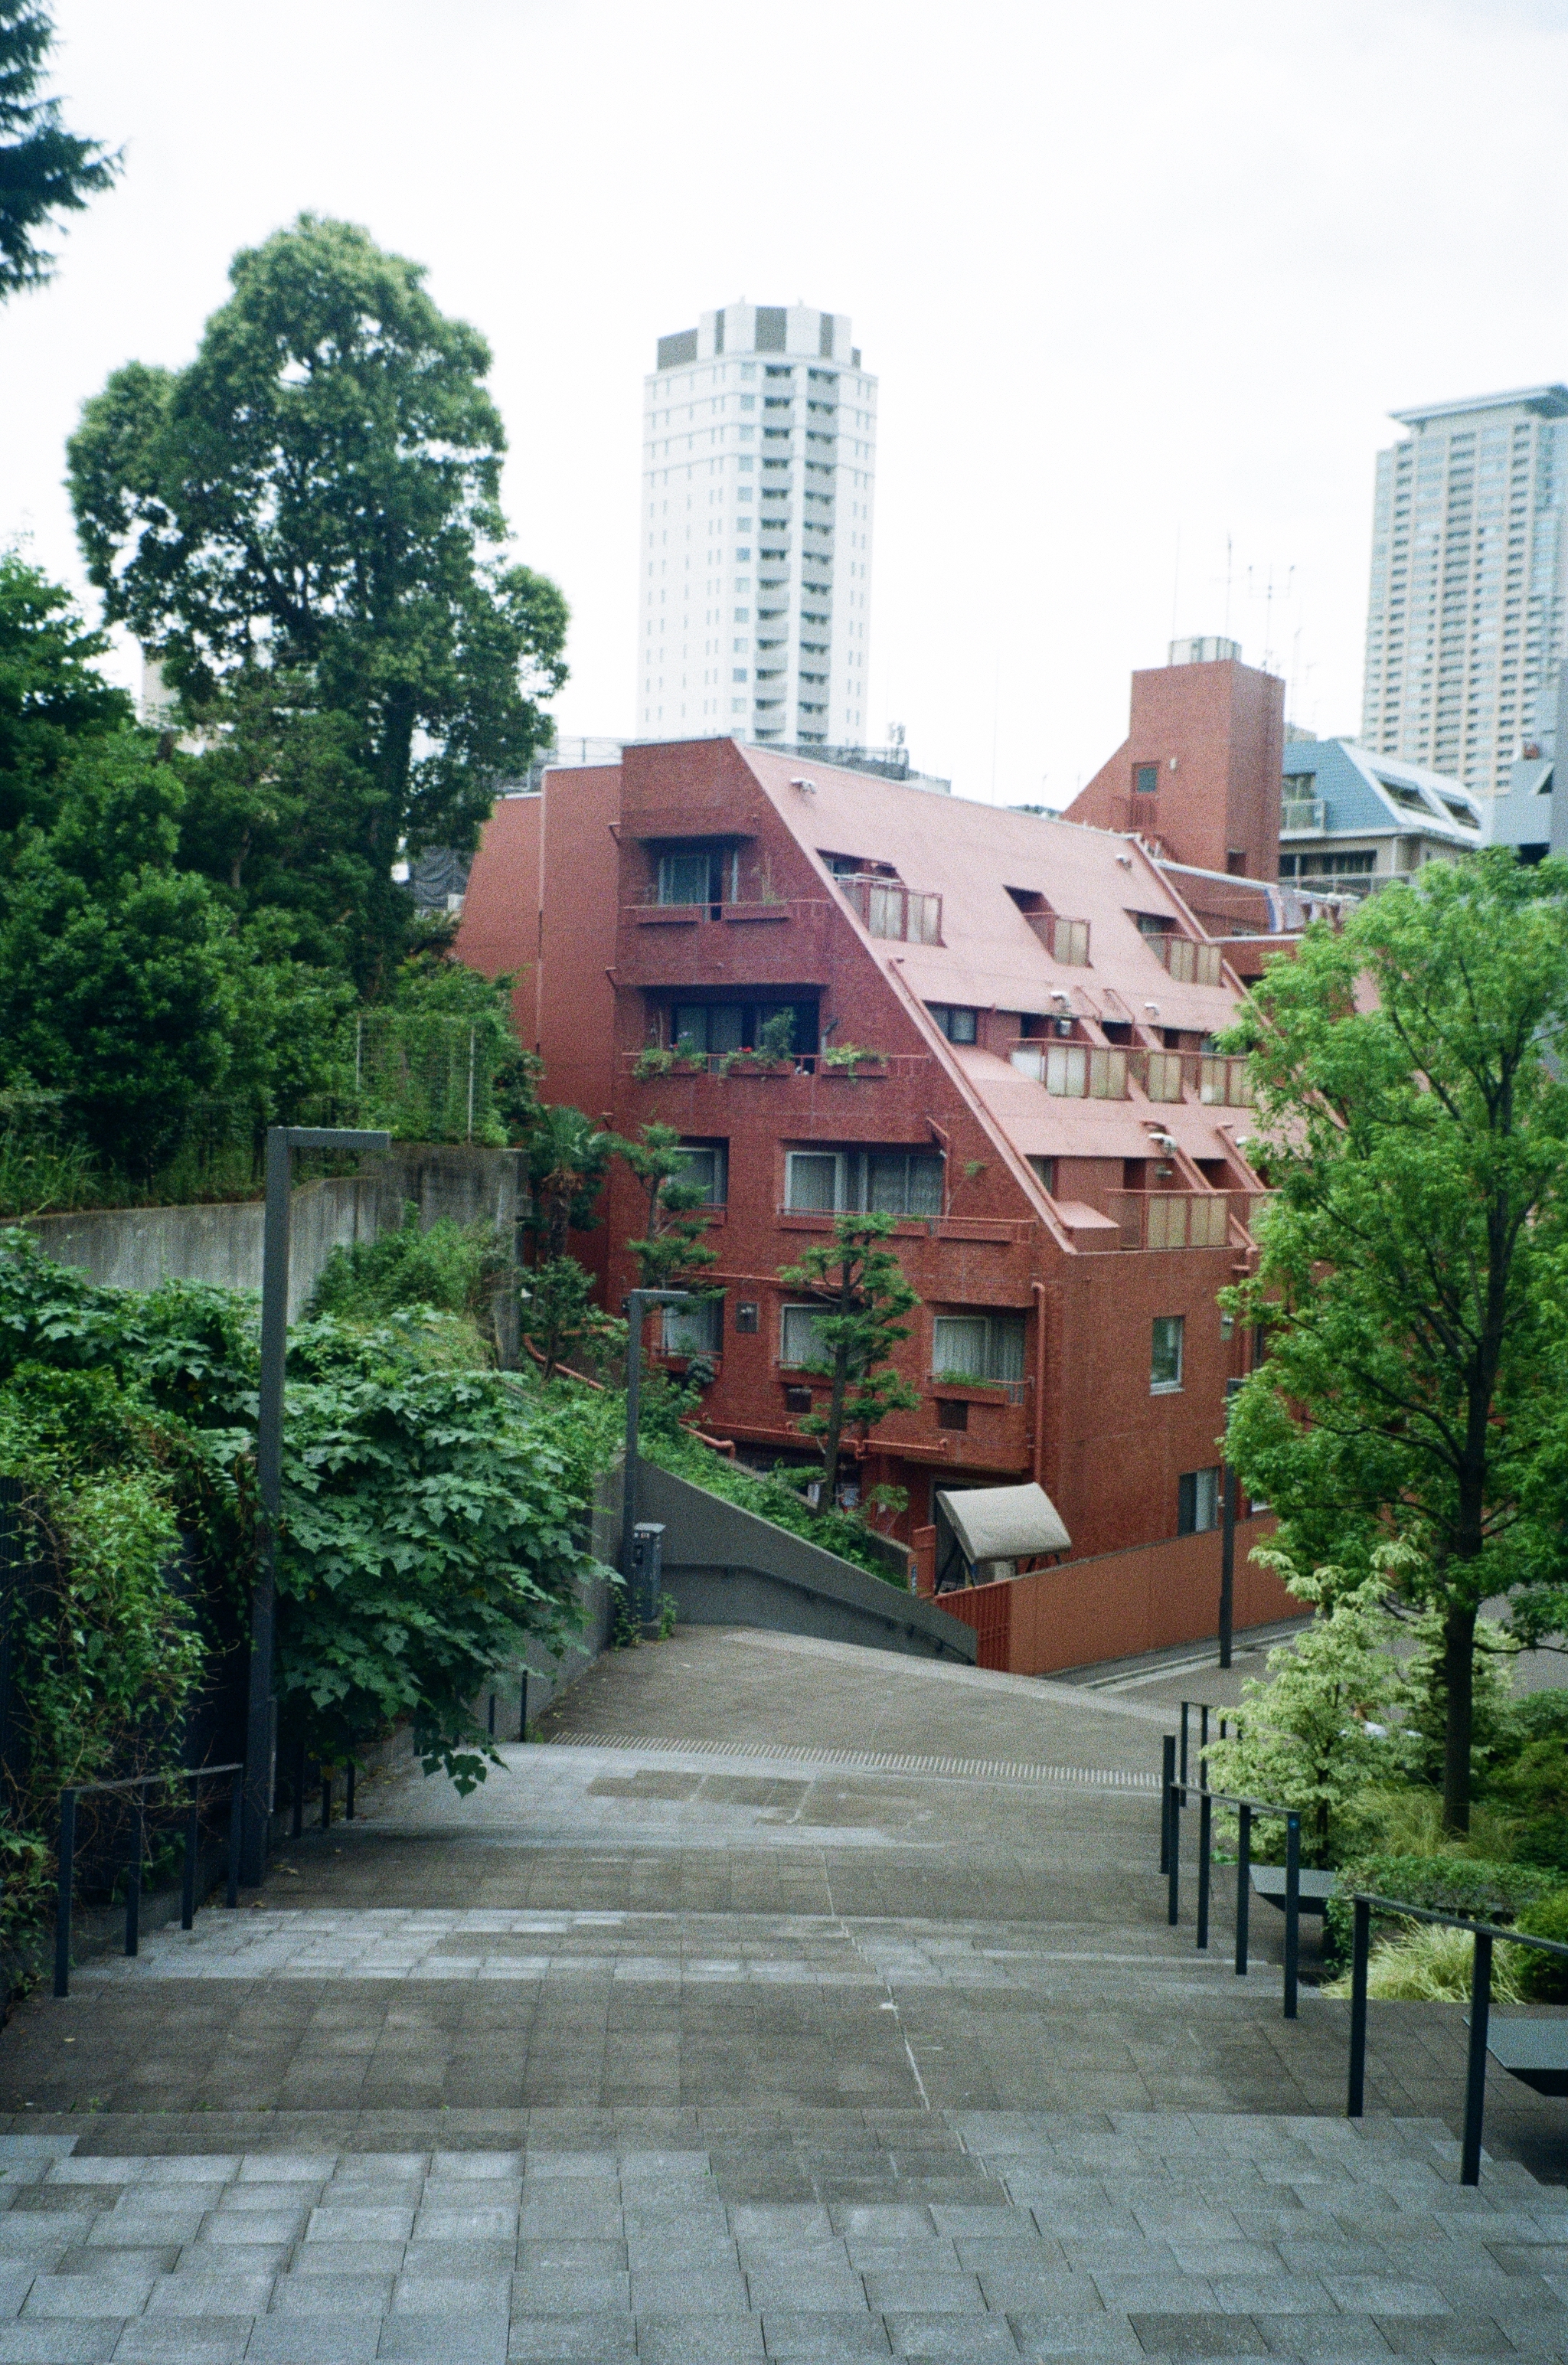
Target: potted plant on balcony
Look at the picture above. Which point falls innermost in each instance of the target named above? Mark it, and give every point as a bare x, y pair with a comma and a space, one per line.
772, 1054
667, 1059
849, 1060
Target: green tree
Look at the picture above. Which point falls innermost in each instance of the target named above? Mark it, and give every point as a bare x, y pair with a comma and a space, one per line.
673, 1253
1412, 1118
45, 170
319, 491
559, 1316
116, 981
861, 1288
1305, 1740
53, 696
568, 1158
284, 814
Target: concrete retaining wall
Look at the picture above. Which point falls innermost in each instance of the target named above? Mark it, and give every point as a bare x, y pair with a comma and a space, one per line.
138, 1248
727, 1567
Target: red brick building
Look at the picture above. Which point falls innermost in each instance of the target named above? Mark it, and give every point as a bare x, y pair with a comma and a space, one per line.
1199, 772
1042, 1109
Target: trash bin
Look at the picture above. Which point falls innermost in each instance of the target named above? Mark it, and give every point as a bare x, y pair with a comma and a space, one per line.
648, 1574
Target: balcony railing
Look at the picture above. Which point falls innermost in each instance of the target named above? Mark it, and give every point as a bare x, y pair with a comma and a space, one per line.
1219, 1082
1066, 940
889, 909
1076, 1072
1189, 963
1172, 1219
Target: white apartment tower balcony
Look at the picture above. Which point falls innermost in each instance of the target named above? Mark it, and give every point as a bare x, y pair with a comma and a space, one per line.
1466, 614
760, 453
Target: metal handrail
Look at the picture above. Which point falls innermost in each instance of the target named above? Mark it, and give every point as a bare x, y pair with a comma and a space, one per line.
195, 1775
1175, 1792
1485, 1935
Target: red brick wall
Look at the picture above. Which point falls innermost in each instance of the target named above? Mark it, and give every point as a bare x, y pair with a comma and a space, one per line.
1224, 724
1114, 1607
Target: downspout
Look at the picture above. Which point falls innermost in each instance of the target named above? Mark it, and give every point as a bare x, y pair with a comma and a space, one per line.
1039, 1289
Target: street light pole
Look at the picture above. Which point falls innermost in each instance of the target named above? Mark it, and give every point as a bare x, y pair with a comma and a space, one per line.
637, 1305
260, 1739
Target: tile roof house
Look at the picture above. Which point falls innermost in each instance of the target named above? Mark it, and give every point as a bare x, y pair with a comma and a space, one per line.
1038, 1103
1350, 820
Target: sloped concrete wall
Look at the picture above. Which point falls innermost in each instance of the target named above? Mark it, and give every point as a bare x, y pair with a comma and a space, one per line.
725, 1566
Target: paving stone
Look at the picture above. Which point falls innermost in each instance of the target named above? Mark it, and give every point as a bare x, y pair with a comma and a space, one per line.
476, 2339
59, 2344
697, 2339
87, 2295
943, 2337
1077, 2335
218, 2339
824, 2335
593, 2336
1186, 2336
314, 2340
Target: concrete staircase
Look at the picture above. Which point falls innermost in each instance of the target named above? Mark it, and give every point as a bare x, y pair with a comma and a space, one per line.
924, 2235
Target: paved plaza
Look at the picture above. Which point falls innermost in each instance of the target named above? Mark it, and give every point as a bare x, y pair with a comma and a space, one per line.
781, 1999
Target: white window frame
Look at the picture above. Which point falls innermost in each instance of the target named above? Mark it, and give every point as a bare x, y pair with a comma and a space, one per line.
1159, 1387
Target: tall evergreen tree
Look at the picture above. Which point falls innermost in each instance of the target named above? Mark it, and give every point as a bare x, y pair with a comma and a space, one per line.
45, 170
317, 493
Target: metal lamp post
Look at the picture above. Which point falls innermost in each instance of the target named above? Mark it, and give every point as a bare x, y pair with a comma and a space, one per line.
637, 1305
260, 1738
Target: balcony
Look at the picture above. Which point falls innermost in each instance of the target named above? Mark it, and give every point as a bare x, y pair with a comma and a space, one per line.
1174, 1219
885, 907
1076, 1072
1189, 963
1066, 940
783, 940
1218, 1081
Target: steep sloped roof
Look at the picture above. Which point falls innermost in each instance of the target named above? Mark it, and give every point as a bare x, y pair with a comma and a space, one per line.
1370, 795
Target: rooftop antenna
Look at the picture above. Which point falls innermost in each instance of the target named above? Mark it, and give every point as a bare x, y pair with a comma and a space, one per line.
1285, 594
1227, 586
1176, 582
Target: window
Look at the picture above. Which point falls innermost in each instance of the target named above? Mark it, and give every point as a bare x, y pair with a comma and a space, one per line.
1145, 779
978, 1347
699, 876
1165, 1356
695, 1330
802, 1346
706, 1163
892, 1182
1046, 1173
1197, 1502
958, 1026
718, 1027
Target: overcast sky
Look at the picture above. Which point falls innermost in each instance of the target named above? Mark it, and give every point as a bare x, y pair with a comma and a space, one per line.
1140, 284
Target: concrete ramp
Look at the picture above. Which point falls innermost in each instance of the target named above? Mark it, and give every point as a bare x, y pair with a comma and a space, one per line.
725, 1566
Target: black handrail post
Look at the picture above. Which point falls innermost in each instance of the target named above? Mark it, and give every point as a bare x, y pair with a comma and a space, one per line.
1186, 1709
1293, 1909
1476, 2070
1166, 1776
236, 1826
326, 1799
1205, 1841
188, 1870
62, 1903
133, 1876
522, 1708
1203, 1744
1173, 1900
296, 1811
1360, 1949
492, 1715
350, 1772
1243, 1886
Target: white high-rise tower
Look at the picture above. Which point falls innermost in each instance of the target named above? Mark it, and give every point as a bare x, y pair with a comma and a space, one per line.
759, 442
1465, 627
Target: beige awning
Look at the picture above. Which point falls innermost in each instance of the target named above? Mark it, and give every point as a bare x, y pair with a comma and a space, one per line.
1004, 1522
